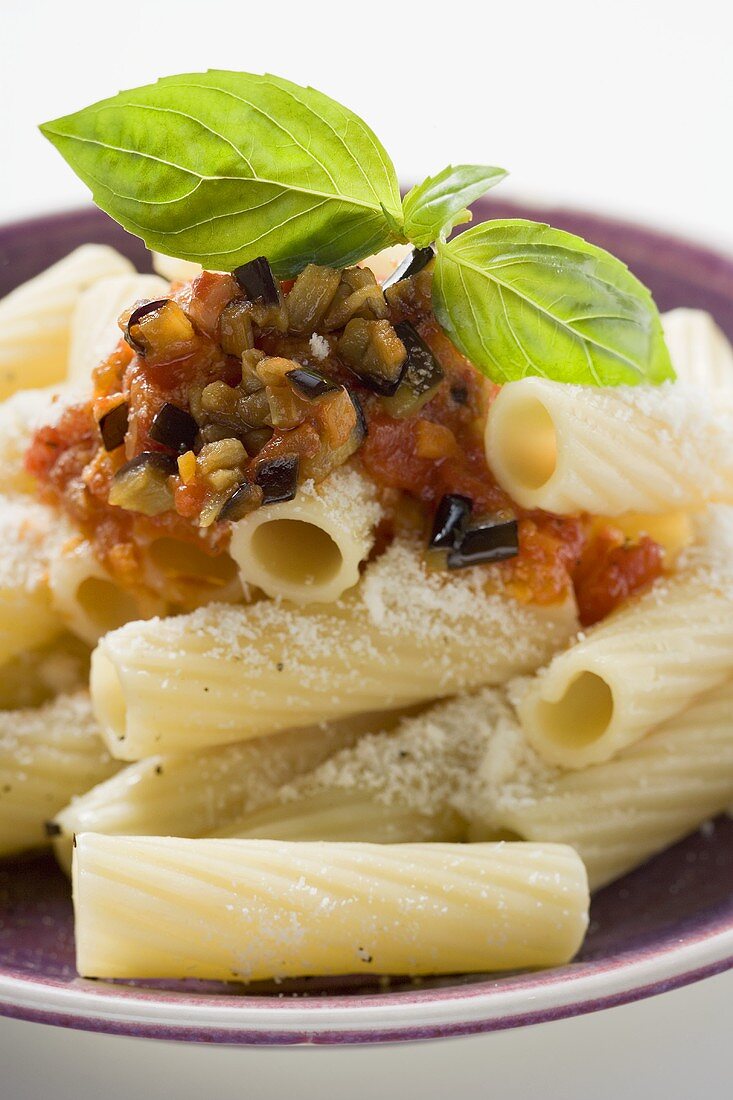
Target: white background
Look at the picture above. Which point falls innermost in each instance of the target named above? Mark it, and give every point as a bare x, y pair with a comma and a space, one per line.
622, 106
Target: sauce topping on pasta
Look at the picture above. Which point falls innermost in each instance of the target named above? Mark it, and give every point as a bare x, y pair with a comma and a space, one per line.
218, 403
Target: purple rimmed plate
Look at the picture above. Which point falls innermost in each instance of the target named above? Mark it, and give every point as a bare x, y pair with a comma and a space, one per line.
667, 924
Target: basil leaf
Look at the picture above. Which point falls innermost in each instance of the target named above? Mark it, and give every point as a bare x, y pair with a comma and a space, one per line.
433, 208
520, 298
221, 167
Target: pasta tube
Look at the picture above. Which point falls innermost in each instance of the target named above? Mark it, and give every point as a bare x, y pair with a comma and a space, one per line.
570, 448
617, 814
156, 907
701, 353
37, 675
35, 318
94, 330
309, 549
226, 673
47, 755
196, 793
88, 599
633, 671
391, 787
20, 416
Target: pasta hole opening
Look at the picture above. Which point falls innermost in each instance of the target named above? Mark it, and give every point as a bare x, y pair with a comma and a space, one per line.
583, 714
296, 552
184, 561
527, 442
108, 696
105, 605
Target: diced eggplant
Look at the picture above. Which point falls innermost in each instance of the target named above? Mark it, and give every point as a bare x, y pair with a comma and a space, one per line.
310, 384
136, 317
358, 295
175, 428
491, 540
278, 478
113, 426
255, 439
450, 522
311, 295
257, 281
411, 265
159, 328
421, 376
235, 328
374, 352
247, 498
141, 485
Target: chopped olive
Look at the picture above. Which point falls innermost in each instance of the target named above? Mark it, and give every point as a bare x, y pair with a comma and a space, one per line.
52, 829
113, 426
247, 498
310, 297
235, 328
374, 352
450, 522
421, 376
257, 281
411, 265
358, 295
157, 327
141, 485
490, 540
310, 384
278, 478
174, 428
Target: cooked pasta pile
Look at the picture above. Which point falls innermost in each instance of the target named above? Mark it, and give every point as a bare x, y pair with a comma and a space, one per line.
388, 662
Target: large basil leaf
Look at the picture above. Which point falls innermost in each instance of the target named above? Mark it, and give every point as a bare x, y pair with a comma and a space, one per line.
433, 208
520, 298
220, 167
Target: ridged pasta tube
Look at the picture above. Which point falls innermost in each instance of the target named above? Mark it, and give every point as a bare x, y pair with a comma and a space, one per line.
88, 599
173, 269
193, 794
35, 318
37, 675
701, 352
395, 787
33, 534
617, 814
649, 449
94, 329
47, 755
309, 549
633, 671
226, 673
160, 907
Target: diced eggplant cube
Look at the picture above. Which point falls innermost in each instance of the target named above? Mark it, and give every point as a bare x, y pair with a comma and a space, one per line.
278, 478
451, 519
247, 498
374, 352
421, 376
418, 259
489, 541
310, 384
113, 426
257, 281
174, 427
143, 310
141, 485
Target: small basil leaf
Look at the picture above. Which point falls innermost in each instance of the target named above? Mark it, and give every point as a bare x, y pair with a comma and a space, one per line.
222, 167
433, 208
520, 298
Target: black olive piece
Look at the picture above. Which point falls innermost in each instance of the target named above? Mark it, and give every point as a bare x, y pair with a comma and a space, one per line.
450, 523
278, 478
242, 501
137, 315
489, 541
113, 426
257, 281
165, 463
174, 428
52, 828
411, 265
310, 384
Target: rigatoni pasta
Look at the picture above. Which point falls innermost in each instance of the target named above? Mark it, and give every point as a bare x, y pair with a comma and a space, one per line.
609, 451
251, 909
700, 350
229, 673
